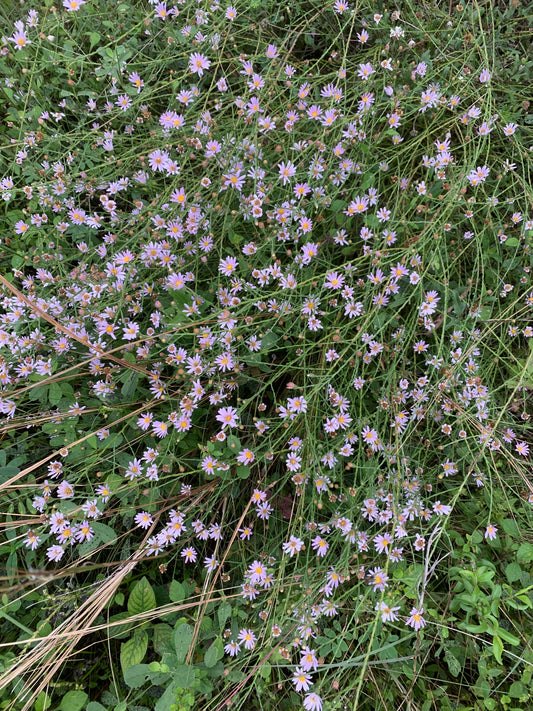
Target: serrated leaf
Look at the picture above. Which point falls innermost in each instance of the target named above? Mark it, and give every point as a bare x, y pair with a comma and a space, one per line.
265, 670
233, 443
133, 651
517, 689
142, 598
268, 341
183, 636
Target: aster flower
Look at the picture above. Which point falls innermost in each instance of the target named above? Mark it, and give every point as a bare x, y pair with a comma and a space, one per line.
73, 5
416, 619
198, 62
491, 532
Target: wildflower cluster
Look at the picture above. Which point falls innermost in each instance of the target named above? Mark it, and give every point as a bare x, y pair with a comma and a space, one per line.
252, 315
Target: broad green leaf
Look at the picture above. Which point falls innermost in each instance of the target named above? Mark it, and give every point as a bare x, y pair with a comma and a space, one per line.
73, 701
184, 676
517, 689
95, 706
525, 553
510, 526
104, 532
168, 700
129, 388
176, 592
513, 572
183, 636
214, 653
11, 566
136, 675
54, 393
118, 631
163, 638
142, 597
133, 651
233, 443
268, 341
223, 612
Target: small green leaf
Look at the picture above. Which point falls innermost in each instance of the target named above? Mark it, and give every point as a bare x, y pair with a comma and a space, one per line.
517, 689
133, 651
94, 38
233, 443
223, 612
183, 636
43, 701
73, 701
497, 648
95, 706
268, 341
214, 653
142, 597
453, 663
129, 388
265, 670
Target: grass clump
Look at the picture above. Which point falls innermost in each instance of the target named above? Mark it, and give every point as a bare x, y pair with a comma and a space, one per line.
266, 358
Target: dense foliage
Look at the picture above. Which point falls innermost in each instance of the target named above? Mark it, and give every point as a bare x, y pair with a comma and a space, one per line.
266, 359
